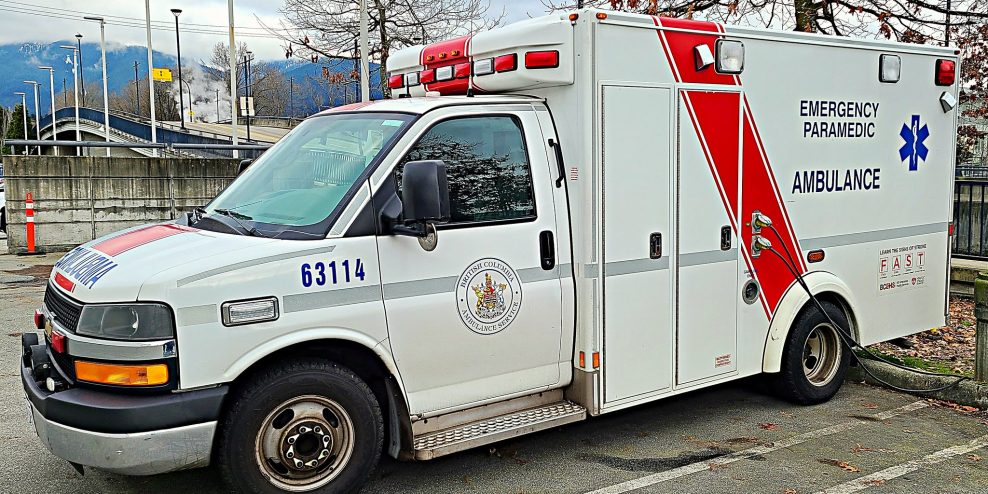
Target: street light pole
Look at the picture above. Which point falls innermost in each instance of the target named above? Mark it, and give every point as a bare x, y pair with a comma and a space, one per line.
24, 114
248, 106
37, 113
233, 81
106, 99
154, 129
137, 88
178, 46
51, 79
78, 39
217, 105
364, 79
75, 95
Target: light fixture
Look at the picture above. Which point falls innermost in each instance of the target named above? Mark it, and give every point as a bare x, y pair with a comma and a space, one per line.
730, 56
250, 311
889, 68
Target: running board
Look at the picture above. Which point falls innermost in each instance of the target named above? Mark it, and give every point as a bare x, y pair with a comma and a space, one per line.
497, 428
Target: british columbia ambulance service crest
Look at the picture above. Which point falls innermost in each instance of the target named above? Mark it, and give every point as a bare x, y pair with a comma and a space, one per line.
488, 296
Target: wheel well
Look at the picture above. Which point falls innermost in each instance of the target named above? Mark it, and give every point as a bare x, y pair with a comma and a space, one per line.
366, 364
838, 300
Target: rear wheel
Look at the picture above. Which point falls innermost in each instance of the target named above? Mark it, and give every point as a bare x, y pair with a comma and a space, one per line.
814, 360
307, 426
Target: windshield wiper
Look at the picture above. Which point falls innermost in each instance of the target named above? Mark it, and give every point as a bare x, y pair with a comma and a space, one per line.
237, 217
233, 214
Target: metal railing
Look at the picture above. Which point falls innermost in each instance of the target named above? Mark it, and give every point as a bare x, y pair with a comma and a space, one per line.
971, 172
970, 218
246, 150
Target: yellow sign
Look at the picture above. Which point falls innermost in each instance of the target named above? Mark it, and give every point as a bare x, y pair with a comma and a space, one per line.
162, 75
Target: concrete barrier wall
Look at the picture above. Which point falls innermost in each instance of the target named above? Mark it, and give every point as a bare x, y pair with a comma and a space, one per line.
78, 199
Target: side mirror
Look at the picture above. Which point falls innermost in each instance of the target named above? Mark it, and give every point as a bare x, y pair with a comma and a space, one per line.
244, 165
425, 197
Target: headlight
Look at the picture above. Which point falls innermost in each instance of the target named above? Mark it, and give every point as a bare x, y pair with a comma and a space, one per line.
127, 322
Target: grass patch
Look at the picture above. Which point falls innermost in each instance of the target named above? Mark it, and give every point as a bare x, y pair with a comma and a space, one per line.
916, 363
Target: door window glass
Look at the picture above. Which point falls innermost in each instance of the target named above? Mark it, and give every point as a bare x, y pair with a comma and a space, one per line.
486, 166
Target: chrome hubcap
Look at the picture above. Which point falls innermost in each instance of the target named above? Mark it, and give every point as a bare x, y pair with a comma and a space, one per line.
821, 355
304, 443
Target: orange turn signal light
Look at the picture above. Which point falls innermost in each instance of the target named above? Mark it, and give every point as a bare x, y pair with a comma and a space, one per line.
815, 256
122, 375
583, 360
601, 15
596, 360
574, 17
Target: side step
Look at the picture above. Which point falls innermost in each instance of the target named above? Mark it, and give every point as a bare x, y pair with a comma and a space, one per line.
497, 428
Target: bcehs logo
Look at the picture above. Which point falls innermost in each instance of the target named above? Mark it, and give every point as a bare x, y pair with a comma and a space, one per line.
913, 149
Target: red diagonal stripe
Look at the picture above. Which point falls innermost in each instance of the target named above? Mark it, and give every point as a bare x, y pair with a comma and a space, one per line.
120, 244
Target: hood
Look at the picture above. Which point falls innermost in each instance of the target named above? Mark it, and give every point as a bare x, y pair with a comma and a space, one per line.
113, 268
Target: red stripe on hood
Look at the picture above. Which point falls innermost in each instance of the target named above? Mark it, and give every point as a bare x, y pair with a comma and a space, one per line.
122, 243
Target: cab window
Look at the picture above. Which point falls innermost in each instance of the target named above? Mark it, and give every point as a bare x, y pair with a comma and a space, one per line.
486, 166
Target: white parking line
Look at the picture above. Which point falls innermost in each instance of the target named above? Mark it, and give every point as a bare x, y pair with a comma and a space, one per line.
881, 476
692, 468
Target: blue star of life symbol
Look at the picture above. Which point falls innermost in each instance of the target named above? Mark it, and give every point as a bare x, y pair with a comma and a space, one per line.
914, 149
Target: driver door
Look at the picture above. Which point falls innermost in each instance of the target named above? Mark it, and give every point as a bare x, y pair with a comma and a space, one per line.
479, 317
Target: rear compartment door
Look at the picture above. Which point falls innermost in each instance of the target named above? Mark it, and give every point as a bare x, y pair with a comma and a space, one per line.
636, 162
707, 292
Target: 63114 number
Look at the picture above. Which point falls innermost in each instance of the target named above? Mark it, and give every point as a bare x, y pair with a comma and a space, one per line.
321, 274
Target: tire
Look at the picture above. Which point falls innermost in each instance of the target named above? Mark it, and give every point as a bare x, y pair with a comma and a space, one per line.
299, 404
814, 360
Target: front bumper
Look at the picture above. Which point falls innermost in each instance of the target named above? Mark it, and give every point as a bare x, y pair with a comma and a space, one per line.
126, 434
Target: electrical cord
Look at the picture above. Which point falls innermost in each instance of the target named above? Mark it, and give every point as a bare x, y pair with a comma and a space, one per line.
846, 337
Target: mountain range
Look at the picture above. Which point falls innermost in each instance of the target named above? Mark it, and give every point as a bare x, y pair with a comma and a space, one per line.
20, 63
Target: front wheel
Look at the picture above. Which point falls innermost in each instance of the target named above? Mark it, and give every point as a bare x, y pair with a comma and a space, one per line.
814, 360
306, 426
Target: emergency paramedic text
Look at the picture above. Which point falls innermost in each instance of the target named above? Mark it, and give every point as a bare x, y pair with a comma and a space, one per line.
838, 109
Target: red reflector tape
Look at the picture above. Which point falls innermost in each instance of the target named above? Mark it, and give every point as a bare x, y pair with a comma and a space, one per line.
64, 282
506, 63
461, 70
396, 81
427, 76
39, 319
945, 72
542, 59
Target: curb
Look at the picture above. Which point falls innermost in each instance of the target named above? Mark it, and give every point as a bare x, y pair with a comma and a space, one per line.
968, 393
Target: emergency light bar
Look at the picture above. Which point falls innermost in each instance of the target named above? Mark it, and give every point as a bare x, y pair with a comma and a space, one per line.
945, 72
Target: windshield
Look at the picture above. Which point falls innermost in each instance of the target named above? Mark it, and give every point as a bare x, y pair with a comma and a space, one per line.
303, 178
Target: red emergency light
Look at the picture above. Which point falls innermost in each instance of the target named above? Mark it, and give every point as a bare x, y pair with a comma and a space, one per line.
396, 81
427, 76
945, 72
506, 63
461, 70
39, 319
542, 59
57, 342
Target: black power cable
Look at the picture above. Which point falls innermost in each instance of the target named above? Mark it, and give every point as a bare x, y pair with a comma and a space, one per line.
845, 335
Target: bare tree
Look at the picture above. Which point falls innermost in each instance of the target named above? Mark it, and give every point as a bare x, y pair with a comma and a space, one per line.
316, 30
268, 85
903, 20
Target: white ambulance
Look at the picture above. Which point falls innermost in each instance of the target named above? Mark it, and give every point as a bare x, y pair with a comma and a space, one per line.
564, 217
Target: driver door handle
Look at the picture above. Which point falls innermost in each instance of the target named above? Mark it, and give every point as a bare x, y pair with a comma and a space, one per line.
547, 249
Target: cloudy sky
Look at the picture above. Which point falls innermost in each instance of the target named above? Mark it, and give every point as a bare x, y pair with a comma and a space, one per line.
203, 22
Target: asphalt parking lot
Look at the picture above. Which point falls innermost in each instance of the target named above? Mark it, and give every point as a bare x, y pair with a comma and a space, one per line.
727, 439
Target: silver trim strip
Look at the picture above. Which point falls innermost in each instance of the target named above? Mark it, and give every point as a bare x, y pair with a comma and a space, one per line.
100, 349
565, 270
331, 298
707, 257
419, 288
196, 315
618, 268
253, 262
537, 274
875, 236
